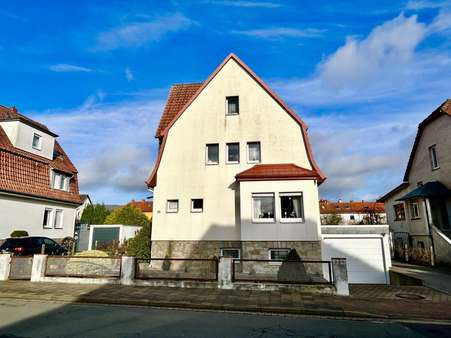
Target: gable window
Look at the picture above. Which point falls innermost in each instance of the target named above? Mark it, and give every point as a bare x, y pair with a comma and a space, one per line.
37, 142
231, 253
58, 220
434, 158
212, 153
172, 206
253, 150
233, 106
400, 213
263, 208
278, 254
60, 181
233, 153
197, 205
415, 210
46, 222
291, 207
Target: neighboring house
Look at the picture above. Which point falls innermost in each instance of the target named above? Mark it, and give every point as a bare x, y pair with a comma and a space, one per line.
353, 212
38, 182
419, 209
145, 206
235, 174
85, 202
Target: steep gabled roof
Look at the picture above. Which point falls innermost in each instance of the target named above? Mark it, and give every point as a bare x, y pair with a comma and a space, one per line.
443, 109
273, 172
152, 180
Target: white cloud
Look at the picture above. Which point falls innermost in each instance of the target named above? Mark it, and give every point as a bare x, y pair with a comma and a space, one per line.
281, 32
128, 74
247, 4
137, 34
64, 68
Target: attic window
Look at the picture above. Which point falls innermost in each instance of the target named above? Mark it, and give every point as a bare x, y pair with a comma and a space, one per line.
233, 107
37, 142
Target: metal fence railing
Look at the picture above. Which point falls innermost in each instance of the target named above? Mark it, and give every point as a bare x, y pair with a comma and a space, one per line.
79, 266
281, 271
20, 267
200, 269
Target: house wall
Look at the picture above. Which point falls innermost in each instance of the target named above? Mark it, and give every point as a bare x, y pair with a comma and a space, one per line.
183, 173
21, 136
20, 213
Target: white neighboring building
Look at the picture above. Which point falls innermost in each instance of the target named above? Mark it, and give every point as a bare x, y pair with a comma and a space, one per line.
38, 182
235, 173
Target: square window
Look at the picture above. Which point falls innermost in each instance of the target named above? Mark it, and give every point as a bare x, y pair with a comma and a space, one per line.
172, 206
415, 210
434, 158
233, 106
233, 153
46, 222
231, 253
212, 153
263, 208
400, 214
197, 205
58, 220
291, 207
278, 254
37, 142
253, 149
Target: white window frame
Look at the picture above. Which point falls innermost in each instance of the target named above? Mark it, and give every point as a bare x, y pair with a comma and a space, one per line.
169, 210
60, 225
260, 150
39, 137
277, 249
433, 157
413, 214
292, 220
197, 210
207, 162
49, 219
227, 153
227, 105
225, 249
263, 220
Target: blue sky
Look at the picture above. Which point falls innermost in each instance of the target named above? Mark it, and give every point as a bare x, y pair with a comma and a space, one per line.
361, 74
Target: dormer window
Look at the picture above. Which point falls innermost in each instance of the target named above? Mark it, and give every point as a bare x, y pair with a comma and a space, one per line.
37, 141
233, 107
60, 181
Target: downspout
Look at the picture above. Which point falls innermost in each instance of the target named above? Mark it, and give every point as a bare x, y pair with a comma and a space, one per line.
429, 230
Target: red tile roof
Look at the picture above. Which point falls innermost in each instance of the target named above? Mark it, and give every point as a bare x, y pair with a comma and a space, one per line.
273, 172
25, 173
144, 206
179, 96
327, 207
190, 93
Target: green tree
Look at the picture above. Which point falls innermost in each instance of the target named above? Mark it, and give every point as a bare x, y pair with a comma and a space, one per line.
127, 215
94, 214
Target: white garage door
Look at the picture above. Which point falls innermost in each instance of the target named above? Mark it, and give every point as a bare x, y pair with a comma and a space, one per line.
364, 257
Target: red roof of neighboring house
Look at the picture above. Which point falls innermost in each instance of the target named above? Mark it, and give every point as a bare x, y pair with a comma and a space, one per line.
327, 207
25, 173
273, 172
181, 97
144, 206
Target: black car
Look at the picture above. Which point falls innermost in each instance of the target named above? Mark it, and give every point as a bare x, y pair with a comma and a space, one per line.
27, 246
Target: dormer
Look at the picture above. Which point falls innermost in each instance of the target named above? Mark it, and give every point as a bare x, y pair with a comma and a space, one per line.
26, 134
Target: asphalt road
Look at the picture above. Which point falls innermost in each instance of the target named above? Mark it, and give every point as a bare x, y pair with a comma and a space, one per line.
46, 319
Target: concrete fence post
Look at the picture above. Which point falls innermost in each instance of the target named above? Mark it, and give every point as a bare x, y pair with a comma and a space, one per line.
128, 264
38, 268
340, 273
225, 273
5, 266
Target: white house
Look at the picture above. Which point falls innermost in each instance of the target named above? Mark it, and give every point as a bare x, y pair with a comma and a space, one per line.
235, 174
38, 182
419, 209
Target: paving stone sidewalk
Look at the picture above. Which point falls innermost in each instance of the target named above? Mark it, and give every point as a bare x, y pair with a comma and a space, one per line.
420, 303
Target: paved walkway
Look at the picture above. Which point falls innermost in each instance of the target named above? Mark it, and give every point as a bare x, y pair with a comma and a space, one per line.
366, 301
438, 278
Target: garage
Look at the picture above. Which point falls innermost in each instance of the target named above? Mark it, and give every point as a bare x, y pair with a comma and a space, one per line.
367, 255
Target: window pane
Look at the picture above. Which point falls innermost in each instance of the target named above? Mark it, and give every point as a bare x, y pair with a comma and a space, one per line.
254, 151
291, 206
232, 105
263, 207
212, 153
233, 152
